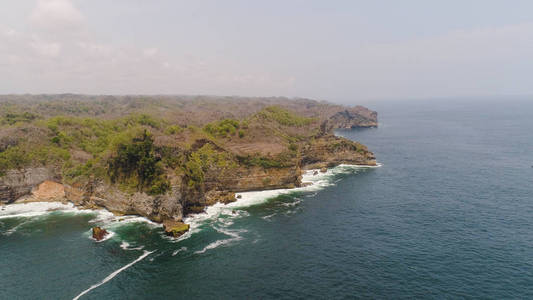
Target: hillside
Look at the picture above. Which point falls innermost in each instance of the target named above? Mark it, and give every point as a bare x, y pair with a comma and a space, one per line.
165, 156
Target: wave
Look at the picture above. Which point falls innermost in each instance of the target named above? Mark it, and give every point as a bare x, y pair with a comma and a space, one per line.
103, 216
234, 237
14, 229
108, 219
268, 216
126, 246
110, 276
292, 204
33, 209
179, 250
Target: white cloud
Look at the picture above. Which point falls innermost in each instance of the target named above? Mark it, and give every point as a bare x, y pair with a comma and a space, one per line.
53, 14
150, 52
58, 53
45, 48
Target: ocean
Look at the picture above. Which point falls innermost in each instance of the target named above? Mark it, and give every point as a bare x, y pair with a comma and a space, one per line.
448, 214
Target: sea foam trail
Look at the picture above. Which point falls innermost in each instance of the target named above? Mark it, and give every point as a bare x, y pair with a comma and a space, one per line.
110, 276
12, 230
179, 250
234, 237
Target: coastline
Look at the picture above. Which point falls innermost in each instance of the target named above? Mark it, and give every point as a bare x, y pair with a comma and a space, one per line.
315, 180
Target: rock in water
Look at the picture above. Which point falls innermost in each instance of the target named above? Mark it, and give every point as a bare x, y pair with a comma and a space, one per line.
315, 173
175, 228
99, 233
323, 170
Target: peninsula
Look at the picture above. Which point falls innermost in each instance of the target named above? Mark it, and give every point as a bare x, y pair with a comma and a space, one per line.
163, 157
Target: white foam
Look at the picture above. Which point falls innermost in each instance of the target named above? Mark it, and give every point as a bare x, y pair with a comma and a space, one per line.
103, 216
110, 276
126, 246
234, 237
33, 209
108, 219
292, 204
179, 250
109, 235
268, 217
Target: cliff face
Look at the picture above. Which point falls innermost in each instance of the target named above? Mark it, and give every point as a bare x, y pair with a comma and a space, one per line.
19, 183
330, 151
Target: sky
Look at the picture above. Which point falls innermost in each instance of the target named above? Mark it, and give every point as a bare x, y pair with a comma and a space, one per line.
331, 50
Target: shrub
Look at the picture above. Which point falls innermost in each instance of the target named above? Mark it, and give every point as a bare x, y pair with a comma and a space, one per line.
222, 128
173, 129
13, 118
202, 160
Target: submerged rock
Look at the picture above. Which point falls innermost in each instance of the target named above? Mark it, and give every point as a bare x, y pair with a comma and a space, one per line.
99, 233
175, 228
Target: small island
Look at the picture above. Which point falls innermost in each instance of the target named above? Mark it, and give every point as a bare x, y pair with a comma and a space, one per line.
163, 157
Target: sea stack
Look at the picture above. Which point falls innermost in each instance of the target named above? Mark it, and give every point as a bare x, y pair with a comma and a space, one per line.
99, 233
175, 228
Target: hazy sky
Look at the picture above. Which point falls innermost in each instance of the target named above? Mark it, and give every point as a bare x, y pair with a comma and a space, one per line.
336, 50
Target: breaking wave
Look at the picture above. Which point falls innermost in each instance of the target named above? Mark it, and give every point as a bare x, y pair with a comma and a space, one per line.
234, 236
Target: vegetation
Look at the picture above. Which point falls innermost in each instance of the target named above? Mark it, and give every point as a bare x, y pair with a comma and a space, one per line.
201, 160
14, 118
173, 129
224, 128
136, 165
284, 117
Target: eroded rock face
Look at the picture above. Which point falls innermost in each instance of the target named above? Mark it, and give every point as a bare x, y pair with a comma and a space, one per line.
153, 207
18, 183
219, 187
99, 233
48, 191
329, 151
175, 228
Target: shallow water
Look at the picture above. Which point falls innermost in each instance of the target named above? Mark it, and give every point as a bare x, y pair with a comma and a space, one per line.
449, 214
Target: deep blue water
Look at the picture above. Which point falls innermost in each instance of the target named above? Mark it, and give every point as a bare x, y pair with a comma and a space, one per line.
448, 215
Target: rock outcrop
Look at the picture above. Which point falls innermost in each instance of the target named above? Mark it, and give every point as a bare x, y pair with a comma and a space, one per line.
99, 233
175, 228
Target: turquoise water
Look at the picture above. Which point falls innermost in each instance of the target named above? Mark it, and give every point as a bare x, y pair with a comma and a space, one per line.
448, 215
